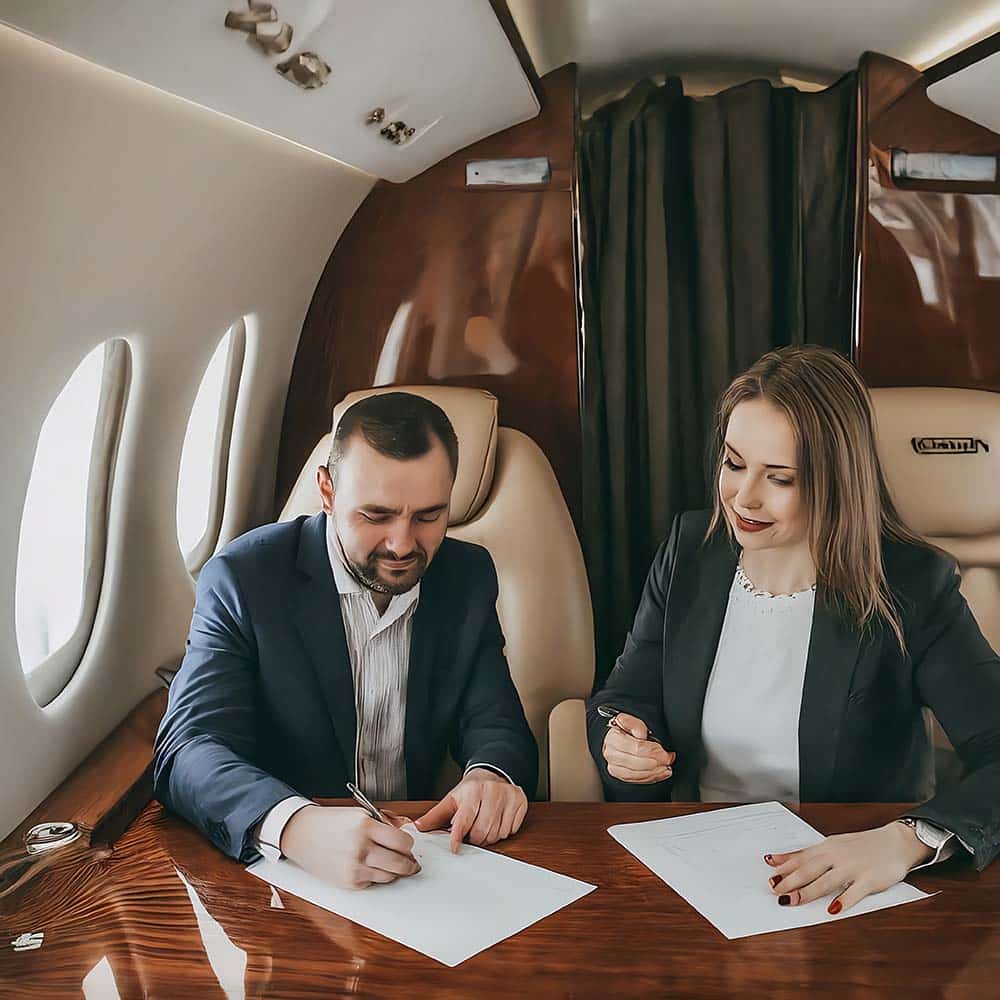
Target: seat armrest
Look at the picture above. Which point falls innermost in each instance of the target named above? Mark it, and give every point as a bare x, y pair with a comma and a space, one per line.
573, 776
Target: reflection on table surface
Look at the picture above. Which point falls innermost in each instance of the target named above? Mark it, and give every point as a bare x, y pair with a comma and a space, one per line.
165, 914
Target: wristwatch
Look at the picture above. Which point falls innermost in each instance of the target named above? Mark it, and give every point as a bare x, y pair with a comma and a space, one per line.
927, 833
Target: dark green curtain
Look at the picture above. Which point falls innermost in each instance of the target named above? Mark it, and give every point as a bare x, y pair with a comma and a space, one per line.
713, 230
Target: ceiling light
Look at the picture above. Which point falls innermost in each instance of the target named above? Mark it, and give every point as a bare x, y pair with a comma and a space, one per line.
806, 86
973, 30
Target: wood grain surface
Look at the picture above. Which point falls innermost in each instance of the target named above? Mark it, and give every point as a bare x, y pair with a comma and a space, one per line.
930, 293
175, 918
433, 282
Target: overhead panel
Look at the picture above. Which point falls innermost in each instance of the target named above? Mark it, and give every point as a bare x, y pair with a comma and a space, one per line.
388, 86
972, 92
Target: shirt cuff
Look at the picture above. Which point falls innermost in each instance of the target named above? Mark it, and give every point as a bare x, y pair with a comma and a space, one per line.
490, 767
268, 840
943, 842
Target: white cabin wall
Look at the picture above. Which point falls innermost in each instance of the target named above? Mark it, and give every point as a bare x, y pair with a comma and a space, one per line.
128, 212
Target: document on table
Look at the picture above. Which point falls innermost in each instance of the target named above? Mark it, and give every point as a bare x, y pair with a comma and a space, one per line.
455, 907
715, 860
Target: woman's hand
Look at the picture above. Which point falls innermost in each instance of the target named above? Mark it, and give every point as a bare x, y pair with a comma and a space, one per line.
631, 756
848, 866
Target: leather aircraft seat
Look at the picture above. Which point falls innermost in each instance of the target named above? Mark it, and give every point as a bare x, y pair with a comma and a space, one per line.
506, 498
940, 452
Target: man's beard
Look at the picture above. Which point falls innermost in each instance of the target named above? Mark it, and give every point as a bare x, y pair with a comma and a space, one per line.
367, 573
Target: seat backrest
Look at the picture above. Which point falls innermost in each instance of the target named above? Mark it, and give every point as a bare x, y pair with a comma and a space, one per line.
940, 452
506, 498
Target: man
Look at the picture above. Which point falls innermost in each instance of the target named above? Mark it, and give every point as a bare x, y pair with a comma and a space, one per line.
356, 645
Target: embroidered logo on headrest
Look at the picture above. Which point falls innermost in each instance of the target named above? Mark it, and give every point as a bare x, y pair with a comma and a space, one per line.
948, 445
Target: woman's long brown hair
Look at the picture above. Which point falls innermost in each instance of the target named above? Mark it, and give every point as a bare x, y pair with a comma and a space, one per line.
841, 482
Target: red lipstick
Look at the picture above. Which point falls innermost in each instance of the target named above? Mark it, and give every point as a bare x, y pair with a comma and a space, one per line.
744, 525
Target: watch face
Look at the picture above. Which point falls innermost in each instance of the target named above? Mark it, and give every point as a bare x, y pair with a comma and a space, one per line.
920, 830
929, 835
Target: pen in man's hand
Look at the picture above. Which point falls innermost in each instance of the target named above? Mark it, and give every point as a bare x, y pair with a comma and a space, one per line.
362, 800
370, 808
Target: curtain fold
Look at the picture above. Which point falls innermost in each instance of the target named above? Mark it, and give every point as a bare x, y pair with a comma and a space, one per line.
713, 230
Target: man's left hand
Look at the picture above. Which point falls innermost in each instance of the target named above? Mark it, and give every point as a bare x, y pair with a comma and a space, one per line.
483, 805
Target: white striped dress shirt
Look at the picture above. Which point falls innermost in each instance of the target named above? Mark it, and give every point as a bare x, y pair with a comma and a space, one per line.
379, 650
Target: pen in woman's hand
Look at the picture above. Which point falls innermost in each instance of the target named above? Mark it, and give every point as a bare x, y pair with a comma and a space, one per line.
611, 714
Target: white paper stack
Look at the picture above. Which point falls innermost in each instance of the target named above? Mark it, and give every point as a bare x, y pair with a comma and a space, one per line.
455, 907
715, 860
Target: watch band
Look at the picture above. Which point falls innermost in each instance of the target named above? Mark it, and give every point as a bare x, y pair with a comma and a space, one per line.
927, 834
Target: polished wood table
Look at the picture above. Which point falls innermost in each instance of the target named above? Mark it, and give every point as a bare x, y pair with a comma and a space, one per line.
165, 914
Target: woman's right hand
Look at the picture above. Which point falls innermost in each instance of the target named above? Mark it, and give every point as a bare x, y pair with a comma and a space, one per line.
631, 756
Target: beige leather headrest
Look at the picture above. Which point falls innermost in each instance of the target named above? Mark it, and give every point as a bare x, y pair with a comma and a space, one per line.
940, 452
473, 414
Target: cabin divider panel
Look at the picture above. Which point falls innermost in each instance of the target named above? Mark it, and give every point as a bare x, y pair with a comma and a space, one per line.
434, 282
930, 250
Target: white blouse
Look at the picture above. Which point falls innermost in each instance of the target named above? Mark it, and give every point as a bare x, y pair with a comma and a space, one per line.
750, 721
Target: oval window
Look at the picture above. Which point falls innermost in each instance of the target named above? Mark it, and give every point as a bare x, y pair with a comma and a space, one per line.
63, 538
201, 483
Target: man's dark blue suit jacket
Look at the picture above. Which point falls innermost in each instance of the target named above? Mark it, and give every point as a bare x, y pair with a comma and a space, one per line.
263, 704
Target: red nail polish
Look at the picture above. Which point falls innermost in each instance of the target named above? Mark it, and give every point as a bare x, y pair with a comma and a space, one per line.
774, 881
768, 859
835, 907
784, 900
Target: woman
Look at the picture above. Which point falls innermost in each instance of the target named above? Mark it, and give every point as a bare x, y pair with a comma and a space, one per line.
787, 640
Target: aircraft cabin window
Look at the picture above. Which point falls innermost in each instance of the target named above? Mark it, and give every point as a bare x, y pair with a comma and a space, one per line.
201, 485
63, 538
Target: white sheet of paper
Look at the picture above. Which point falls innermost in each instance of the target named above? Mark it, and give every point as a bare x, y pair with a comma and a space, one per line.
455, 907
715, 860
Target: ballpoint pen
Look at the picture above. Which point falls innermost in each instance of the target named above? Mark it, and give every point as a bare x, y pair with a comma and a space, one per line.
374, 811
611, 714
362, 800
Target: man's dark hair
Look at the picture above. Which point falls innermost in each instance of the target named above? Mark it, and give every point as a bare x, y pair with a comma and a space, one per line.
396, 424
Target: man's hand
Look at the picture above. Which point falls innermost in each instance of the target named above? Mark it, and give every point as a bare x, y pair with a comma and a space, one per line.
346, 847
848, 866
632, 757
483, 805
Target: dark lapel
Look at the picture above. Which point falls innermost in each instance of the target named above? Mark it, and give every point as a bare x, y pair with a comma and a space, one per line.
427, 619
321, 626
696, 623
834, 645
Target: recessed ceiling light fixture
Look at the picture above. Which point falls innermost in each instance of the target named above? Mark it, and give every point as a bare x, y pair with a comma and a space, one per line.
260, 21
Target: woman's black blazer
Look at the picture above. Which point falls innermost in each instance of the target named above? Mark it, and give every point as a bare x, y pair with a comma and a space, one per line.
862, 733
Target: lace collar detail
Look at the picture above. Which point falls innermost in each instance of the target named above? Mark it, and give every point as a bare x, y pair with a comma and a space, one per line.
748, 585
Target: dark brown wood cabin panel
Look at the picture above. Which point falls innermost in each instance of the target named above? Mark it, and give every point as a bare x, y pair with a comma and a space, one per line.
930, 291
433, 282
